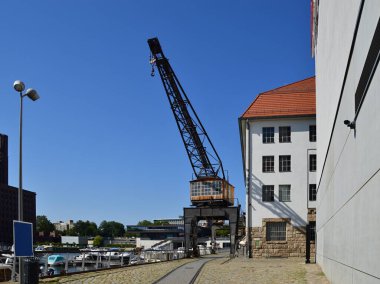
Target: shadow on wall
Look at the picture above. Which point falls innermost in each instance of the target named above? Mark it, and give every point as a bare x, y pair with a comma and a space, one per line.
280, 209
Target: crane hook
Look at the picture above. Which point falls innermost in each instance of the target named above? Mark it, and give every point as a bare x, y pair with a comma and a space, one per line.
152, 72
152, 61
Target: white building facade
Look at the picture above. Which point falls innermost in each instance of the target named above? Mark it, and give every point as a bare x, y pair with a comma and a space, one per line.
346, 41
278, 137
64, 226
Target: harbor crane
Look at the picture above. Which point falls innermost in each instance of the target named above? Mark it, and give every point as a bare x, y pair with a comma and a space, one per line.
212, 196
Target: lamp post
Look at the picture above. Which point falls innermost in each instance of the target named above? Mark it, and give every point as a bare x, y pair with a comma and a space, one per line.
32, 94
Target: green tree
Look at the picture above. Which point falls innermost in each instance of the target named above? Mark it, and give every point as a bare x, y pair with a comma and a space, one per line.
85, 228
44, 225
98, 241
111, 229
70, 232
144, 223
223, 232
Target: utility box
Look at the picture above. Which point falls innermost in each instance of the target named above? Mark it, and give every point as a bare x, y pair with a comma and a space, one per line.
211, 191
31, 271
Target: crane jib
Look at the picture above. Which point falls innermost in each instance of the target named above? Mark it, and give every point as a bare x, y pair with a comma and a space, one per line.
201, 152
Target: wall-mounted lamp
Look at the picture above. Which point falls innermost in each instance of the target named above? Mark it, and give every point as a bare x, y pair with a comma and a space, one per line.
350, 124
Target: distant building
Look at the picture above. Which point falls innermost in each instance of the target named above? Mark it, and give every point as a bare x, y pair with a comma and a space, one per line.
3, 159
74, 240
9, 199
168, 236
119, 241
64, 226
346, 39
278, 140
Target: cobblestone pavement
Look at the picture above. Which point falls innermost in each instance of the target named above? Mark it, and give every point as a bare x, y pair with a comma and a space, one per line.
261, 271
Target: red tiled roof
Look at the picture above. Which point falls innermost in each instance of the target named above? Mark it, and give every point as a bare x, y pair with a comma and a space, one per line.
290, 100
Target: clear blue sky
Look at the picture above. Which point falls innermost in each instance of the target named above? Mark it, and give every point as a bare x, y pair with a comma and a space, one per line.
101, 143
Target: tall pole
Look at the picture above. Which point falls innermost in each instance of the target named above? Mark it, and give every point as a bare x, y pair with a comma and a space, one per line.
32, 94
20, 193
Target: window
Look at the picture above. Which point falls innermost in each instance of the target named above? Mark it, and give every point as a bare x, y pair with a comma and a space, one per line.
268, 134
201, 188
312, 133
312, 192
369, 69
284, 193
268, 164
285, 163
268, 193
313, 163
276, 231
285, 134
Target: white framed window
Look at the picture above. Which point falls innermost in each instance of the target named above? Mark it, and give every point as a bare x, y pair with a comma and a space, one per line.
284, 134
313, 163
312, 133
268, 135
276, 231
312, 192
268, 164
285, 162
268, 193
284, 193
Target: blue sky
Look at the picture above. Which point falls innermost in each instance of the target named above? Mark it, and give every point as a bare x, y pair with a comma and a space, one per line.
102, 143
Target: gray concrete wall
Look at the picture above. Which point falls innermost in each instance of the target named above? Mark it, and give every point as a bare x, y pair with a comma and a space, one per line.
348, 200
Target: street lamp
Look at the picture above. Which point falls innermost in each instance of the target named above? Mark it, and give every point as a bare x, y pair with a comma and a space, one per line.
32, 94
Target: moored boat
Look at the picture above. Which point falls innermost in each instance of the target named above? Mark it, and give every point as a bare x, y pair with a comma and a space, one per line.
56, 259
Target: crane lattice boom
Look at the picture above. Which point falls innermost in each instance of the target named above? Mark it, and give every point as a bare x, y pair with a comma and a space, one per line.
205, 163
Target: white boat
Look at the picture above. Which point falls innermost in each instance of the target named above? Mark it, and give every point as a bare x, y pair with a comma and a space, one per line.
86, 256
9, 258
43, 248
112, 255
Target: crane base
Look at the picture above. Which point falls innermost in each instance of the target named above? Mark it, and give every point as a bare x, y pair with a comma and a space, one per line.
193, 215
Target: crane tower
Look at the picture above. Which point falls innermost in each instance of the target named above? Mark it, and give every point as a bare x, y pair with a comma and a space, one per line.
210, 192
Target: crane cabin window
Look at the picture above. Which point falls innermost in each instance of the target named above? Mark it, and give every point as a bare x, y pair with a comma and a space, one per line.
201, 188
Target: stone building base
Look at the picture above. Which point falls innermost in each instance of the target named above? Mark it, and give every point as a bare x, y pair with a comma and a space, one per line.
293, 246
